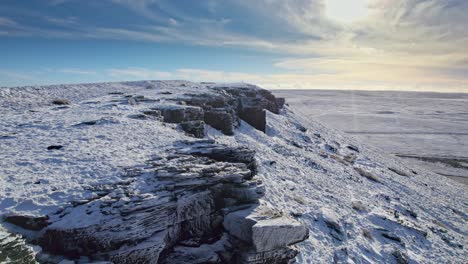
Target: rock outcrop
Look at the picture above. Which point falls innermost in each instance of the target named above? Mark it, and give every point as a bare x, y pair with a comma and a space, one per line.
224, 110
201, 196
196, 203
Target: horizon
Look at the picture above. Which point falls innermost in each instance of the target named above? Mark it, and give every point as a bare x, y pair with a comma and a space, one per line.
317, 89
371, 45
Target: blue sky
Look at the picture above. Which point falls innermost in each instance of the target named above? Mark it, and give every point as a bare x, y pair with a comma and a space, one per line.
322, 44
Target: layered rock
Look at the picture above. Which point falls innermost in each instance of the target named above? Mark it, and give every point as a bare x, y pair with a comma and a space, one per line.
224, 110
195, 197
196, 203
264, 236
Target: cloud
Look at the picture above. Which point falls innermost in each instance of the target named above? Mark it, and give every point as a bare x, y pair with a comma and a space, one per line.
139, 73
15, 75
400, 42
7, 22
359, 80
77, 71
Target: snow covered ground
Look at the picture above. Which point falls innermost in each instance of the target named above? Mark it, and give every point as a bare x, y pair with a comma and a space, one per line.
427, 129
360, 204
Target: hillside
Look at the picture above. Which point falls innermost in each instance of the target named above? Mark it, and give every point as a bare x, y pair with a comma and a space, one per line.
181, 172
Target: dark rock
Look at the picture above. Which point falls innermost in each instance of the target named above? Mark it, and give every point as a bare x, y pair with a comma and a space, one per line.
400, 257
353, 148
280, 102
297, 145
28, 222
60, 102
207, 101
306, 139
227, 154
255, 117
138, 117
398, 171
154, 113
89, 123
54, 147
194, 128
220, 120
330, 148
411, 213
224, 107
179, 113
392, 237
300, 127
296, 214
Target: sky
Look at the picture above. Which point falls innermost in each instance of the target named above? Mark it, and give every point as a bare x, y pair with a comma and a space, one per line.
419, 45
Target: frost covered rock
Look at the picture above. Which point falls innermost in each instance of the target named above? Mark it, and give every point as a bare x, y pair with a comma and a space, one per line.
184, 204
179, 113
264, 234
194, 128
270, 234
223, 110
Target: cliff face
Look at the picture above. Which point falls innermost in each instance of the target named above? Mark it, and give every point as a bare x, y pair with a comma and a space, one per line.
180, 172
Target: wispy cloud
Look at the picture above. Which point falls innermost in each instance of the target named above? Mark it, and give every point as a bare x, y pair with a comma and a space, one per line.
15, 74
7, 22
359, 80
139, 73
77, 71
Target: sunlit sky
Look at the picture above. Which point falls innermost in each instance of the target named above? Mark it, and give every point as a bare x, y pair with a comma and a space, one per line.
294, 44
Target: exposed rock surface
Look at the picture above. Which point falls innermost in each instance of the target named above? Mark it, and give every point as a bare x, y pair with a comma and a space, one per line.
223, 111
189, 194
198, 202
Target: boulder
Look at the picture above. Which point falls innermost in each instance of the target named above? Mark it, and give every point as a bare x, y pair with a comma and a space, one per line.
276, 233
266, 236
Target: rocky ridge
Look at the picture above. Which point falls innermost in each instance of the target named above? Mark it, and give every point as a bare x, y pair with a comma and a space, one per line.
198, 202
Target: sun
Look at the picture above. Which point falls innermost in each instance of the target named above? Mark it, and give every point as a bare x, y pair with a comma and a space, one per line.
346, 11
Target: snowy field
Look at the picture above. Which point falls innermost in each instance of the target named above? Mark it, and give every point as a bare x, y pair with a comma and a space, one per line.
427, 129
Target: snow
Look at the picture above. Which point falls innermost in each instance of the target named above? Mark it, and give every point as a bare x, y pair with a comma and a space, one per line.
407, 124
39, 181
307, 175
